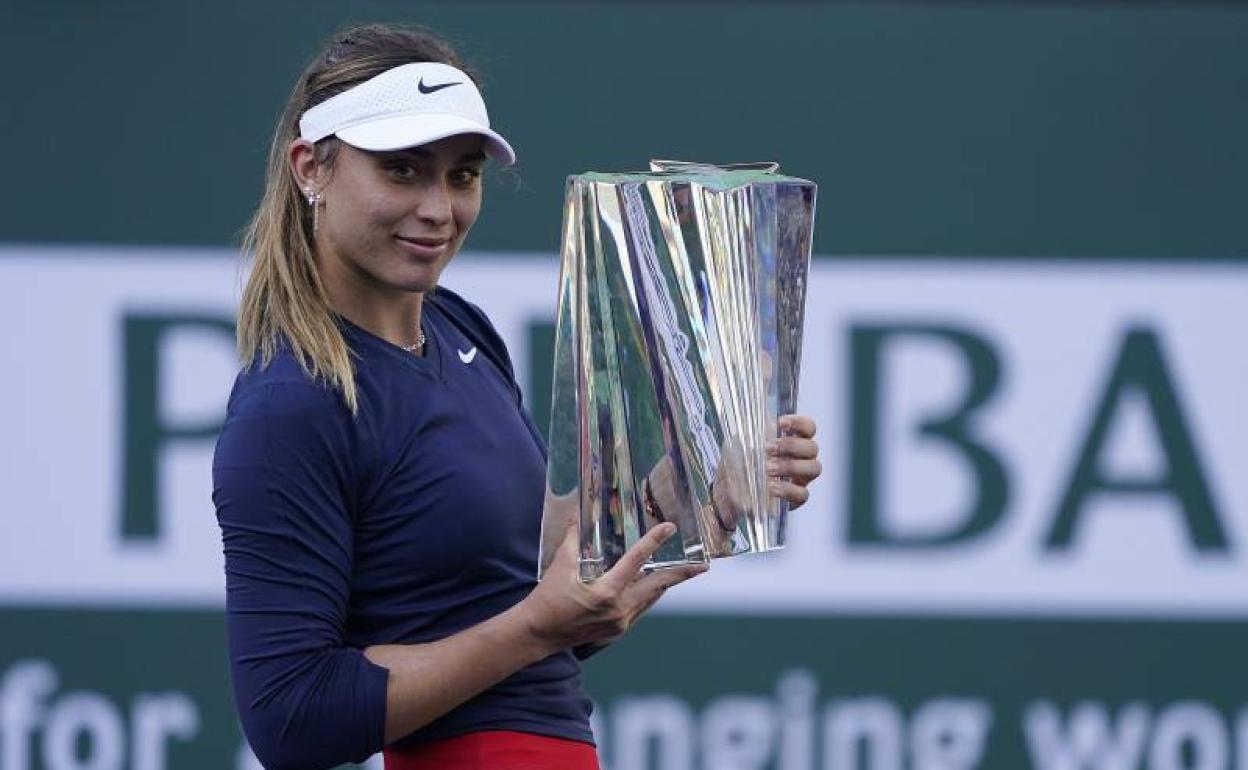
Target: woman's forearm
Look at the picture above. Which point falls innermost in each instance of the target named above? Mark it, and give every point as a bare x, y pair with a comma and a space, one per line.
428, 680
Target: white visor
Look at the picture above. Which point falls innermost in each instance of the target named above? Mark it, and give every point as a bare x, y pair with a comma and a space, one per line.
409, 105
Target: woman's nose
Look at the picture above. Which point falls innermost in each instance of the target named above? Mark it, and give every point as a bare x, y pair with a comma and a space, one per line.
435, 204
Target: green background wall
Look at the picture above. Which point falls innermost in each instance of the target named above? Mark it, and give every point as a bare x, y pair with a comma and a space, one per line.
1114, 665
1108, 129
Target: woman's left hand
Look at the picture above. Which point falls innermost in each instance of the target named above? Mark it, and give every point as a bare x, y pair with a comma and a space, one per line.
793, 459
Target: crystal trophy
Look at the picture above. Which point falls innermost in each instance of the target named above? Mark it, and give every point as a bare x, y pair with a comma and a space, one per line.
677, 346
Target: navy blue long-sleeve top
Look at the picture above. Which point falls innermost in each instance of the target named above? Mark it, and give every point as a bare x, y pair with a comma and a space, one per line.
413, 520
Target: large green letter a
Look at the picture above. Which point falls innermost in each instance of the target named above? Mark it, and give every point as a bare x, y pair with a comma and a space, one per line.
1140, 368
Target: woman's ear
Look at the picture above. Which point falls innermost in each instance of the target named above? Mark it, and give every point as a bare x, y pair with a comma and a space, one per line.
307, 171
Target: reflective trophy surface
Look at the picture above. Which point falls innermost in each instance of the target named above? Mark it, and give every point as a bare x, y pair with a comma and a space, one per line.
677, 347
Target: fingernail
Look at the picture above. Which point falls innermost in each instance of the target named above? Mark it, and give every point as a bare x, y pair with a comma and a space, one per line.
773, 447
773, 468
775, 488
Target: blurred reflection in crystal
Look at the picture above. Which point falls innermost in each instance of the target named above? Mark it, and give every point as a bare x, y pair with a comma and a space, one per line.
677, 346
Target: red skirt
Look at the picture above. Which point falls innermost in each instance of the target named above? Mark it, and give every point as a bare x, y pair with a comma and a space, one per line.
495, 750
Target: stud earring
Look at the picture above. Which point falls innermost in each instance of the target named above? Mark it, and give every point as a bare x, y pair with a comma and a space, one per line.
314, 200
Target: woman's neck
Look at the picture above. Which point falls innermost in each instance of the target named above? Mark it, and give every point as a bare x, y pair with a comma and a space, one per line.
392, 315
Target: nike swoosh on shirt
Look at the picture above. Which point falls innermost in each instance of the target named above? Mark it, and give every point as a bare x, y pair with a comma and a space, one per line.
424, 89
467, 356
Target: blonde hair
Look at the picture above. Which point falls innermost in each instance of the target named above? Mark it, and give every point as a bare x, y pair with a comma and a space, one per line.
284, 298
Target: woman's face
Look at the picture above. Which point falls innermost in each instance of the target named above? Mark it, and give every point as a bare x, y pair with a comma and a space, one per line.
391, 221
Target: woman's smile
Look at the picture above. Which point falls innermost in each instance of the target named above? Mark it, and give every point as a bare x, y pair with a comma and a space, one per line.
423, 248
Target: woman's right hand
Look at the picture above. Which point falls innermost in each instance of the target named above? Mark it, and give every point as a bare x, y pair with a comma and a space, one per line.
563, 612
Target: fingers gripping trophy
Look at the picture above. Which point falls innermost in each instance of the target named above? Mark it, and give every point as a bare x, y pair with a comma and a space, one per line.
677, 355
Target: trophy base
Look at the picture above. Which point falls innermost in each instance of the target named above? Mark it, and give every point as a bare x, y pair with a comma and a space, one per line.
656, 566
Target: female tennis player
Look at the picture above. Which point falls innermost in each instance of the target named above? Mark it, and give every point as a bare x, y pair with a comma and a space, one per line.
379, 487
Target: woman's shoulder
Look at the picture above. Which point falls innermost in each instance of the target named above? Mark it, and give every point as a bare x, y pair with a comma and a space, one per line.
463, 311
283, 386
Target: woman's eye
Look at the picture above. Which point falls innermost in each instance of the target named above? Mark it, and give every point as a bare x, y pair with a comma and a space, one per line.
401, 171
466, 176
